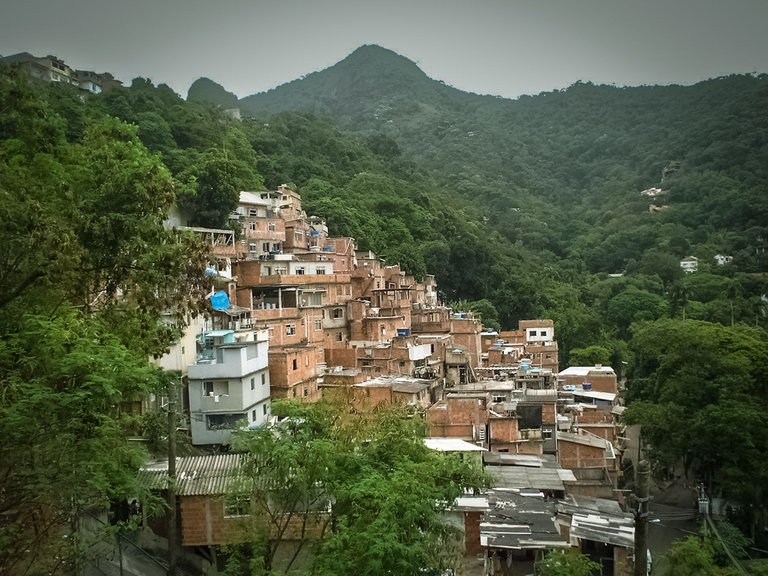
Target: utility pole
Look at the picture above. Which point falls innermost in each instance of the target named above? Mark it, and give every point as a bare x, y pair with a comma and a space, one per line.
642, 496
172, 477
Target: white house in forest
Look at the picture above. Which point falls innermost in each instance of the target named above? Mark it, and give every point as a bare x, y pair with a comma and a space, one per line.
689, 264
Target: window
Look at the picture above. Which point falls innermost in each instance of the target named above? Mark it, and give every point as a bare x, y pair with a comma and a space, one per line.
223, 421
265, 409
300, 270
294, 364
276, 247
271, 226
290, 329
499, 399
263, 379
320, 271
306, 392
533, 333
237, 506
338, 313
253, 415
339, 336
265, 246
253, 383
252, 247
215, 388
253, 212
252, 226
318, 324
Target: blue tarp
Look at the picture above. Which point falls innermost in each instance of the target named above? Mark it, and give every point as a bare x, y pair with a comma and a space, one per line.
220, 300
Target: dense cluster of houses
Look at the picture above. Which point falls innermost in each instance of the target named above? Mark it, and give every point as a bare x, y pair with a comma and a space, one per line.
296, 313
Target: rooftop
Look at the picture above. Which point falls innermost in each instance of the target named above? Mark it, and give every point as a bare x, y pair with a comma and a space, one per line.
195, 475
452, 445
585, 370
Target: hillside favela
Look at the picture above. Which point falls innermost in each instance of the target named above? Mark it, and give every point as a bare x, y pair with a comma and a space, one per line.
366, 323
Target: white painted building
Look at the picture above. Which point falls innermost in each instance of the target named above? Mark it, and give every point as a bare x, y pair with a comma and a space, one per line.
689, 264
228, 384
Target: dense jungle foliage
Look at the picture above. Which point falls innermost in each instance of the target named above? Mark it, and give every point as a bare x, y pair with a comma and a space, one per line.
521, 209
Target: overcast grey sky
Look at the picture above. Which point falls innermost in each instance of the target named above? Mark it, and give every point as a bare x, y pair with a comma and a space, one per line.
502, 47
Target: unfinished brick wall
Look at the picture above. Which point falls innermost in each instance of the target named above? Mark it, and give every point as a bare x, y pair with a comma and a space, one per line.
472, 544
294, 370
340, 357
248, 272
548, 413
603, 382
203, 522
459, 418
577, 455
604, 431
601, 415
503, 432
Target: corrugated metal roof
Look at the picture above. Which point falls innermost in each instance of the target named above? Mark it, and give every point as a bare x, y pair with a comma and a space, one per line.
526, 477
519, 522
617, 531
195, 475
598, 520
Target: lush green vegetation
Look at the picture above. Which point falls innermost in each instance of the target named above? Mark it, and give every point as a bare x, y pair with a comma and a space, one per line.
87, 270
522, 209
360, 488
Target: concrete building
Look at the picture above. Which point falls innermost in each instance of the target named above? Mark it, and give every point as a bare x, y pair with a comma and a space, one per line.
229, 384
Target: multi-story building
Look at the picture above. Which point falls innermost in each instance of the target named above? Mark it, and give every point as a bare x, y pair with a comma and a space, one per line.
229, 384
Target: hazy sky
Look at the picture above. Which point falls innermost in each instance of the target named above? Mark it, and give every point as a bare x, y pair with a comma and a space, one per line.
503, 47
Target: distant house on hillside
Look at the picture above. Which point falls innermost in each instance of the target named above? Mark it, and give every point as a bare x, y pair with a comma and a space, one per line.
722, 260
53, 69
689, 264
652, 192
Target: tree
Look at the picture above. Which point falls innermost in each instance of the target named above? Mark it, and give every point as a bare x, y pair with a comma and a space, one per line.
567, 563
217, 191
366, 472
486, 311
590, 356
688, 382
65, 381
690, 557
88, 270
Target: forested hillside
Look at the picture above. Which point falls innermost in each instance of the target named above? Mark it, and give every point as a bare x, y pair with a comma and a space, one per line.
522, 209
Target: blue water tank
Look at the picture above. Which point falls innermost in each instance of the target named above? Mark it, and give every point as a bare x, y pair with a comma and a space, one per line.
587, 386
